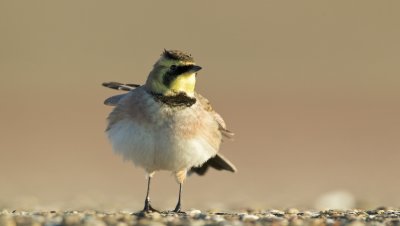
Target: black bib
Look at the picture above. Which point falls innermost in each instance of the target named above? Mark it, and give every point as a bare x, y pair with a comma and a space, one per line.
179, 100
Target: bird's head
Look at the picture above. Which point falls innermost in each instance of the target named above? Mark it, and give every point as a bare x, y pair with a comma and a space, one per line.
174, 73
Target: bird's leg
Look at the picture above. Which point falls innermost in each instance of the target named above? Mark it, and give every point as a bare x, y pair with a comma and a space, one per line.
147, 206
180, 177
178, 205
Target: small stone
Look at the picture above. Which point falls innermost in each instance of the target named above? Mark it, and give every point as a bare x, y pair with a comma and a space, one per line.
307, 213
55, 221
292, 211
315, 214
217, 218
72, 219
249, 217
155, 216
296, 222
39, 219
318, 221
193, 213
269, 216
203, 216
330, 221
4, 212
110, 220
277, 213
380, 212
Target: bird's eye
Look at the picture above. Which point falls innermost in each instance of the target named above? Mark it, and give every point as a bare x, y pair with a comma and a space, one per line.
173, 67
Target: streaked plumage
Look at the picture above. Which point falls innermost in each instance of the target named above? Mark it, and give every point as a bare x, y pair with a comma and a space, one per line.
165, 124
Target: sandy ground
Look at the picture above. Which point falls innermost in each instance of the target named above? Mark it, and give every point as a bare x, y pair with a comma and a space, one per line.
381, 216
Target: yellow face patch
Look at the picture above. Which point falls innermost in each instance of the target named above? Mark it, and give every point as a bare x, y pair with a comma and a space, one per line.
184, 83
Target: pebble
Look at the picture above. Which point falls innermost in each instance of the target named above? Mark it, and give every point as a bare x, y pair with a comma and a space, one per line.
194, 213
249, 217
92, 221
277, 213
217, 218
269, 216
4, 212
330, 221
292, 211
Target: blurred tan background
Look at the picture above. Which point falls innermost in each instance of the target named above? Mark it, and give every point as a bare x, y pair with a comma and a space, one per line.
311, 88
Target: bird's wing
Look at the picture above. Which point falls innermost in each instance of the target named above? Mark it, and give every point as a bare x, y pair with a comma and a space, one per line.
113, 101
120, 86
221, 123
218, 162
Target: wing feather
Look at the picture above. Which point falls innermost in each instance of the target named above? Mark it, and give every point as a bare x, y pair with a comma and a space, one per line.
221, 123
218, 162
113, 101
120, 86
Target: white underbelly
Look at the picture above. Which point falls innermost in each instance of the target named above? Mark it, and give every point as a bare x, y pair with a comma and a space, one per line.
158, 148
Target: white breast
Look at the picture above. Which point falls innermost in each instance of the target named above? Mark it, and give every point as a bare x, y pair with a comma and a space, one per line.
158, 147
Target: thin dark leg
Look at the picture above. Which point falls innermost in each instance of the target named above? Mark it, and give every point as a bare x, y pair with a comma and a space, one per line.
178, 205
147, 205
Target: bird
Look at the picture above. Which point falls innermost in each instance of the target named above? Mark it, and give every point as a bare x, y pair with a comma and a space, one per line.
165, 125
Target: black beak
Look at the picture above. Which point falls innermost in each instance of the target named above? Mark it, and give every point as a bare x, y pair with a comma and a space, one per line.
185, 69
194, 68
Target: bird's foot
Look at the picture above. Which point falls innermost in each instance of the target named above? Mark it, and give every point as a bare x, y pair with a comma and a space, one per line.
179, 212
178, 209
148, 208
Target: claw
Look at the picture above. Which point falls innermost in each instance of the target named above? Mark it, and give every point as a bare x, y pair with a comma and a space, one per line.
178, 209
178, 212
148, 208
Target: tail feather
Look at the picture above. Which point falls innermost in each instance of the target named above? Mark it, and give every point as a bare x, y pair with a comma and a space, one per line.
217, 162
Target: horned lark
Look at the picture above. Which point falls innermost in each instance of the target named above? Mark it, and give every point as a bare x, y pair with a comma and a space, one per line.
165, 125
